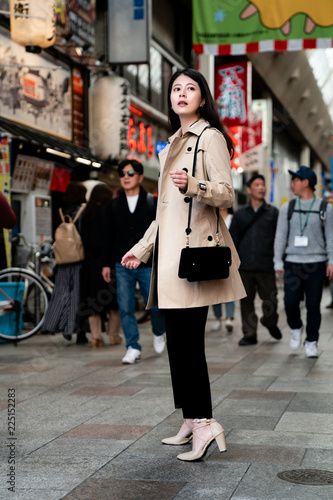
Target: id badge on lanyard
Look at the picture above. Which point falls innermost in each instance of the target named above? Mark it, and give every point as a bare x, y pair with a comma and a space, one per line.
301, 241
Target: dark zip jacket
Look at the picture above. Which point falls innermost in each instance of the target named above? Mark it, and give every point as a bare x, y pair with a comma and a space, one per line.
256, 245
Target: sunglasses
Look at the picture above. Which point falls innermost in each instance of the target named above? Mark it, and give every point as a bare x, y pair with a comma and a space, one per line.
130, 173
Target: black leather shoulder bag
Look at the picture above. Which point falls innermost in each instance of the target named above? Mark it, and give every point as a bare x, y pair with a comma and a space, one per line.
203, 263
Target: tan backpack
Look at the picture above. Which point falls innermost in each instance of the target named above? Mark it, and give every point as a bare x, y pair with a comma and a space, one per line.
68, 246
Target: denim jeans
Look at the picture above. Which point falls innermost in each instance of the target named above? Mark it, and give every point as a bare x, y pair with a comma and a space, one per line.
126, 283
229, 310
304, 280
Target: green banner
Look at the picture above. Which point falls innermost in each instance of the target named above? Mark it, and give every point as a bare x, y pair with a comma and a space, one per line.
223, 22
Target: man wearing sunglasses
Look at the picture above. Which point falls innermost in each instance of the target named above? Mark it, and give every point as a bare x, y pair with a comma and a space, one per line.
126, 219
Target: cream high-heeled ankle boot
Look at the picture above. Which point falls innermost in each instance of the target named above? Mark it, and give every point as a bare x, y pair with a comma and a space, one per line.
178, 440
217, 434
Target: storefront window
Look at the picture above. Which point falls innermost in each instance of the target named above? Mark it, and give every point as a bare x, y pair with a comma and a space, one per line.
143, 73
150, 82
156, 77
130, 73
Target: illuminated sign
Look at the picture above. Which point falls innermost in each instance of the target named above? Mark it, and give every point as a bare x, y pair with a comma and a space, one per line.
139, 138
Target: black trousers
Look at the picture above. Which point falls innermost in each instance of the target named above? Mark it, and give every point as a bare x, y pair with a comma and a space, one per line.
299, 280
185, 332
265, 285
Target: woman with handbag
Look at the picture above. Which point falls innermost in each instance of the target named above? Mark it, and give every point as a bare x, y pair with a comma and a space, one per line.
195, 181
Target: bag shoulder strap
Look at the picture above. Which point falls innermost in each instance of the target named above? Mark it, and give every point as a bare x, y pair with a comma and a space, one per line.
78, 213
291, 208
322, 213
188, 229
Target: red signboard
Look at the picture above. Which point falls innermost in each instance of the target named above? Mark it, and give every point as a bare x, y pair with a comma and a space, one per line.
233, 92
251, 136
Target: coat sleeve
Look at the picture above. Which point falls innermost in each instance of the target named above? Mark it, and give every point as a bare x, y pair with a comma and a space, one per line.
144, 248
7, 214
281, 237
216, 189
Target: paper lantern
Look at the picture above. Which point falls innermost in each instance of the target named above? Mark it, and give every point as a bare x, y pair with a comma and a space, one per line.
110, 100
33, 32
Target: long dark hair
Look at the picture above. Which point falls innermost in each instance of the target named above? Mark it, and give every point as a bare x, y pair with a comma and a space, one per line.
99, 197
208, 112
75, 194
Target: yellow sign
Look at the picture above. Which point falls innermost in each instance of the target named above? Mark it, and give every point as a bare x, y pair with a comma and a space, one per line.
5, 188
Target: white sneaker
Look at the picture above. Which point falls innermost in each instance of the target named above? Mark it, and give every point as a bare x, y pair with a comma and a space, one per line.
131, 356
229, 324
159, 343
295, 339
311, 349
216, 326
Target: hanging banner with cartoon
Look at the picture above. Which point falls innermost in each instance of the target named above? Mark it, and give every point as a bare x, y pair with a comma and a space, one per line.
222, 27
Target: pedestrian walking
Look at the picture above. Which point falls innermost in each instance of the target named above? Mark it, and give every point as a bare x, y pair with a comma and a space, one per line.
98, 300
329, 199
253, 230
229, 306
126, 219
303, 254
61, 314
185, 304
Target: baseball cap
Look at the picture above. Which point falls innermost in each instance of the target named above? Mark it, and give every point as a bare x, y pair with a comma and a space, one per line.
305, 173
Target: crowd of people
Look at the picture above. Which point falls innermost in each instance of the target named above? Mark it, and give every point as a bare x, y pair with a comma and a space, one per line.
135, 239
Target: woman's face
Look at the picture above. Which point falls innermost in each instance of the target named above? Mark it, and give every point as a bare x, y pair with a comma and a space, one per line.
186, 97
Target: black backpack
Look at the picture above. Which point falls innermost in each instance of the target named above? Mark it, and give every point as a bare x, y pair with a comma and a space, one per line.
322, 213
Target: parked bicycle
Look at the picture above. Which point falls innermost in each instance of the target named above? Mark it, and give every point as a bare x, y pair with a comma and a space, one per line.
24, 297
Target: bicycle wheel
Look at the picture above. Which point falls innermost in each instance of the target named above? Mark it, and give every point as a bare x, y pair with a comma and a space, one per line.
26, 315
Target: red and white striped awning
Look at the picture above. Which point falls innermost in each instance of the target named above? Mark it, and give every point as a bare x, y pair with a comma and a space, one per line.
237, 49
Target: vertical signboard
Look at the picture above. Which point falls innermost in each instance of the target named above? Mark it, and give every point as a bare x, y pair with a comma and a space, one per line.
128, 31
78, 108
5, 250
110, 116
233, 92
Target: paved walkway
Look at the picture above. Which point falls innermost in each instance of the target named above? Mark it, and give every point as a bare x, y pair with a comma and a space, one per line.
89, 428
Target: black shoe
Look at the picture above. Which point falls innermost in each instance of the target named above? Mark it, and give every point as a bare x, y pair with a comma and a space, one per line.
330, 306
81, 338
273, 330
248, 341
66, 336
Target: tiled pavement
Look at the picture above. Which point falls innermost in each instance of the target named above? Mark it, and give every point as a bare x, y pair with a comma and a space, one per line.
90, 428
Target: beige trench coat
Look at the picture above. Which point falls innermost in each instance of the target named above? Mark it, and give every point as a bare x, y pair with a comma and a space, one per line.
211, 188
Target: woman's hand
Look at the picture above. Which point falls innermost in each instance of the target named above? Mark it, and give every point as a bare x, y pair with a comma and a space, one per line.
179, 178
130, 261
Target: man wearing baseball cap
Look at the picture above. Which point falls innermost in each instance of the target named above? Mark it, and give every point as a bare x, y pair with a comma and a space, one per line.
303, 253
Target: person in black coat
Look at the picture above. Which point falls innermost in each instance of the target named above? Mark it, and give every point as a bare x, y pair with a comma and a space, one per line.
127, 217
253, 229
98, 299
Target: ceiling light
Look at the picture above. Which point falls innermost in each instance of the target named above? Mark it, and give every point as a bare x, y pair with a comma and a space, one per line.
57, 153
96, 164
85, 161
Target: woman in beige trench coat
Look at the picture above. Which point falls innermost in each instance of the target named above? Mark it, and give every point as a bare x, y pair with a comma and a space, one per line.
185, 304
